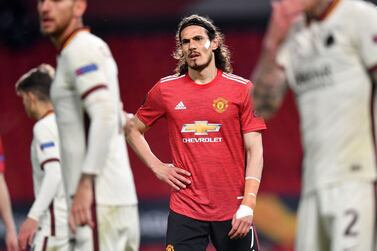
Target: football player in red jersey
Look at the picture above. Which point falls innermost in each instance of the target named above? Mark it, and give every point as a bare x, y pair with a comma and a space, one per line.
211, 127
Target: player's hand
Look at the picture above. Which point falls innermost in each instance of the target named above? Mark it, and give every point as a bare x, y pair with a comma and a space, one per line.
11, 241
27, 232
128, 115
284, 13
240, 227
176, 177
81, 211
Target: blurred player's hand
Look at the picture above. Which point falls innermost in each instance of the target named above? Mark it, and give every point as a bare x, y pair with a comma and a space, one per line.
81, 213
11, 241
126, 117
240, 227
26, 234
176, 177
284, 13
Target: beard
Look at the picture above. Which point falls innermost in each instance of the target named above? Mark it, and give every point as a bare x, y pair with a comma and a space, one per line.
200, 67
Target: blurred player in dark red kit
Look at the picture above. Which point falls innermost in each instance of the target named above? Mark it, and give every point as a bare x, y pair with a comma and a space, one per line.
211, 128
5, 207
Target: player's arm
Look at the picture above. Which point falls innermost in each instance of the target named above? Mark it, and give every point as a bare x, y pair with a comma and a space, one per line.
47, 192
269, 84
243, 218
174, 176
48, 155
7, 217
92, 85
268, 76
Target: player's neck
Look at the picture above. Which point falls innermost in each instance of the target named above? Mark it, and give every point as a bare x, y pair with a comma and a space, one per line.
320, 10
43, 109
60, 39
204, 76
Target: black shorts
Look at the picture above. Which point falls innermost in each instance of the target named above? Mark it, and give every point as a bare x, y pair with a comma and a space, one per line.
187, 234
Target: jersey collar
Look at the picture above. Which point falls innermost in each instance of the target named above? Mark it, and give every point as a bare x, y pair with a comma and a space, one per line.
47, 113
69, 38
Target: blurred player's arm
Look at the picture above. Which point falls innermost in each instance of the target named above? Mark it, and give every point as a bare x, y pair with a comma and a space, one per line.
269, 84
243, 218
47, 192
91, 84
7, 217
269, 78
174, 176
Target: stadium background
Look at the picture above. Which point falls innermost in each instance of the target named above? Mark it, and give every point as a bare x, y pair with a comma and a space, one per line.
141, 37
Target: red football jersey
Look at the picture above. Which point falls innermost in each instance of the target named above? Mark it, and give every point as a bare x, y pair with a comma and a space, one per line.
2, 158
206, 125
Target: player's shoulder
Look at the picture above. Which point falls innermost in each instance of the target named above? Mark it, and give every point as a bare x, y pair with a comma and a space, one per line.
171, 79
46, 127
358, 8
235, 79
83, 43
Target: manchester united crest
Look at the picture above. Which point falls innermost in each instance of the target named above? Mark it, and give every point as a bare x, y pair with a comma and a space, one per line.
169, 247
220, 105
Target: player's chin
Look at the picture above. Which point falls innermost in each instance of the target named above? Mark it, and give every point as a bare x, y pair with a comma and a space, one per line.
47, 30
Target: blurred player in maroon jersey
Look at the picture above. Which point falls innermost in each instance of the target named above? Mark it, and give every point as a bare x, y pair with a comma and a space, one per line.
5, 207
212, 126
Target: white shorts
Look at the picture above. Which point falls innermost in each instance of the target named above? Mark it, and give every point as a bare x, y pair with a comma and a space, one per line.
118, 230
339, 217
42, 242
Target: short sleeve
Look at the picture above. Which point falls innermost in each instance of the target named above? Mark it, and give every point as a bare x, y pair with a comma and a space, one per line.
47, 144
152, 109
86, 65
250, 121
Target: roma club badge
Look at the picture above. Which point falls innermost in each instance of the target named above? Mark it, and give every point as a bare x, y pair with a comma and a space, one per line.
220, 105
169, 247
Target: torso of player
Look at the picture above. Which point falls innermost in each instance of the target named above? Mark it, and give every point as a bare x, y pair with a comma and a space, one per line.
334, 97
206, 125
114, 185
44, 148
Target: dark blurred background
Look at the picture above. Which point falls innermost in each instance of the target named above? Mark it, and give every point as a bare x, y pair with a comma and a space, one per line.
141, 37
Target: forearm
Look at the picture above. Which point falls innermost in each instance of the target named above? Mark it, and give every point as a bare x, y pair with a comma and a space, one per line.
5, 206
47, 191
254, 167
269, 84
136, 140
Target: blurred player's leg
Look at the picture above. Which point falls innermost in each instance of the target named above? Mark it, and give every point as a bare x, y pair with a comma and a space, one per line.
118, 228
310, 233
353, 208
45, 243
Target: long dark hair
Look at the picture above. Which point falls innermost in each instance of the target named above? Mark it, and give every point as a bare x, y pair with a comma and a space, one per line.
222, 53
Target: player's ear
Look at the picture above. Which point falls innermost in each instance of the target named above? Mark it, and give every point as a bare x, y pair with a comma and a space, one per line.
79, 7
215, 43
31, 96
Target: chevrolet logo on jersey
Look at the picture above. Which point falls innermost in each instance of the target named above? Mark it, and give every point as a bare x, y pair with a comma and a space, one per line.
201, 128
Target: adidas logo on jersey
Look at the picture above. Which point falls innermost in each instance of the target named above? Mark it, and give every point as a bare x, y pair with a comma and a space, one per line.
180, 106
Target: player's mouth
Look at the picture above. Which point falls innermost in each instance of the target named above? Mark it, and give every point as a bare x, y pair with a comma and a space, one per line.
47, 21
194, 55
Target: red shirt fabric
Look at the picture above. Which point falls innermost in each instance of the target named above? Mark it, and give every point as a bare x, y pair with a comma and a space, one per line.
206, 124
2, 158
